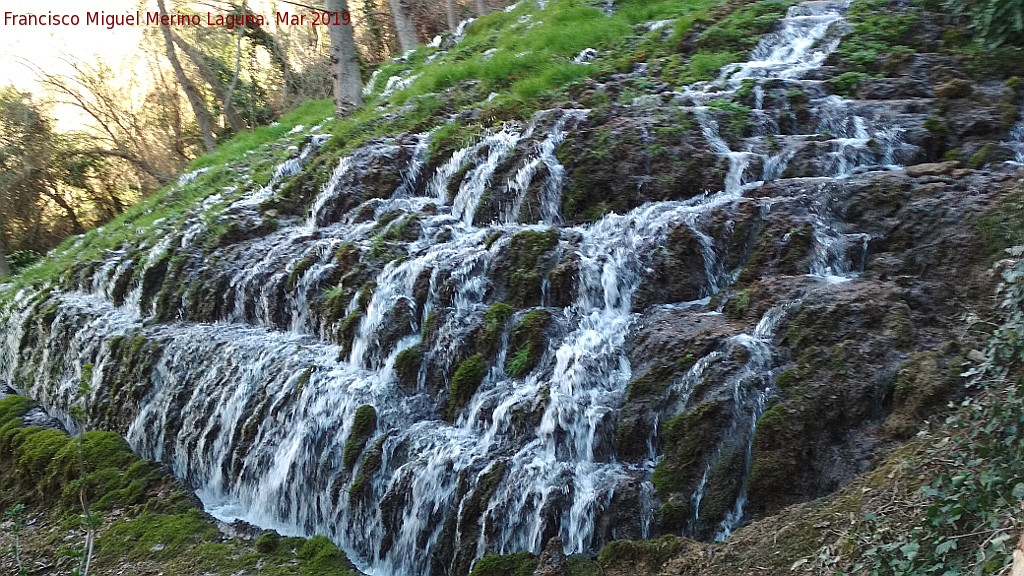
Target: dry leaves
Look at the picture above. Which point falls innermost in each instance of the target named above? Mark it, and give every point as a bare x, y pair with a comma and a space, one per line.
1018, 558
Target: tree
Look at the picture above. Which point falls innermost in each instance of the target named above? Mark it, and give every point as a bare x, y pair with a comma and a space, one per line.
1000, 22
121, 129
453, 21
208, 75
348, 89
5, 270
481, 7
195, 99
401, 11
35, 164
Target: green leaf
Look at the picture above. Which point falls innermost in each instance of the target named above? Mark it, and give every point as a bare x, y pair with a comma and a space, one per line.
910, 550
945, 547
1018, 491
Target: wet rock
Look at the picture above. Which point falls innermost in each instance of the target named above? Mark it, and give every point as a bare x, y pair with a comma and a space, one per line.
678, 271
552, 560
620, 161
936, 169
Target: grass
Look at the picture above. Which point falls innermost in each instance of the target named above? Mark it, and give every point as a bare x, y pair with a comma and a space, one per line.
525, 64
532, 64
309, 113
878, 33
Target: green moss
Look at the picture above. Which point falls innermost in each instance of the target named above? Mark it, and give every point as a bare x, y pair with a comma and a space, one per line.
364, 423
14, 407
737, 306
772, 467
300, 268
465, 381
787, 380
653, 382
924, 384
583, 566
1001, 227
936, 126
652, 553
302, 380
529, 245
497, 315
156, 536
407, 366
528, 343
846, 84
524, 251
38, 449
517, 564
320, 557
403, 230
981, 157
689, 438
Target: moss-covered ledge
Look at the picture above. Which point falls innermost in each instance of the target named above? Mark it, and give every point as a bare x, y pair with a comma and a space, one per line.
147, 523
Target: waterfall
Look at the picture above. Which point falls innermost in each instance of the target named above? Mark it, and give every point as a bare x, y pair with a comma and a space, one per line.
1016, 140
250, 404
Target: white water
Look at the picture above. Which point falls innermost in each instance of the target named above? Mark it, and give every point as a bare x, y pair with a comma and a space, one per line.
1016, 140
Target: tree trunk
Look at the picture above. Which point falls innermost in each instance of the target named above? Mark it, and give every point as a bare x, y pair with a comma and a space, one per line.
481, 7
453, 21
5, 270
401, 11
348, 85
234, 120
76, 224
194, 97
278, 54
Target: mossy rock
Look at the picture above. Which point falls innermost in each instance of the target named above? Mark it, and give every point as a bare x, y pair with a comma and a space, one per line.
954, 89
301, 267
775, 456
528, 343
155, 536
523, 288
322, 558
372, 461
690, 440
364, 423
407, 366
1000, 228
636, 422
498, 315
465, 381
517, 564
651, 554
924, 386
267, 541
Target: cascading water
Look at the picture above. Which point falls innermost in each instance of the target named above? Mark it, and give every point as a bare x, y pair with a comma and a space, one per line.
1016, 140
259, 425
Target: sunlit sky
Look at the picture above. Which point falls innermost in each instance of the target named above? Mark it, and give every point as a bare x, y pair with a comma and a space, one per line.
44, 46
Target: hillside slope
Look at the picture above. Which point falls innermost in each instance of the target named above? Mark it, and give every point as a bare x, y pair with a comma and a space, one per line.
581, 275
